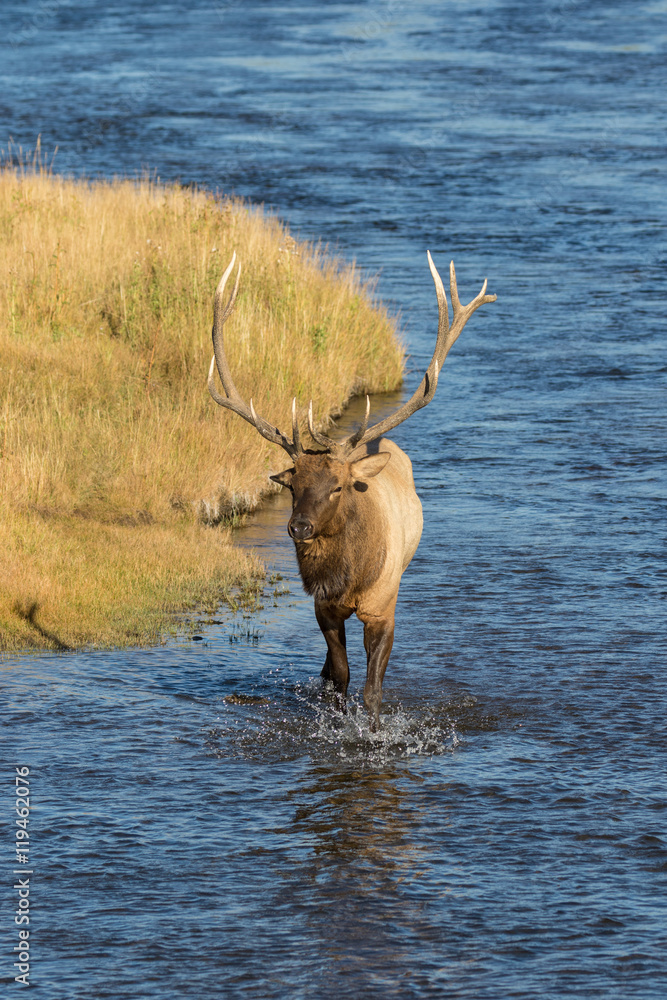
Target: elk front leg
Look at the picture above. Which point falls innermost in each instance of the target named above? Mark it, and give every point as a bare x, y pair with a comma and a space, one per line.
336, 668
326, 669
378, 640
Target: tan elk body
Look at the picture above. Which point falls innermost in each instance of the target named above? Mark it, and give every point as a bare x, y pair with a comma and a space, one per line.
356, 518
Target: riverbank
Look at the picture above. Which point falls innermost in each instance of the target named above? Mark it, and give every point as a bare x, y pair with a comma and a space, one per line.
118, 473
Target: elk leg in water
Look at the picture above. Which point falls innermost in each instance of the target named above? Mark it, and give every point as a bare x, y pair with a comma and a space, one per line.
336, 668
378, 640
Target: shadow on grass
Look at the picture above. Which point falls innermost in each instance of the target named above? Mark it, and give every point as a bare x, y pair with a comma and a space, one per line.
28, 612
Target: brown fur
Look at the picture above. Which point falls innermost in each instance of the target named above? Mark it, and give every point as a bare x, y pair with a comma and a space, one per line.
342, 564
363, 520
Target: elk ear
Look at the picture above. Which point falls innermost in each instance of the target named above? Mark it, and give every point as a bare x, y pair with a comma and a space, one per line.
284, 478
371, 465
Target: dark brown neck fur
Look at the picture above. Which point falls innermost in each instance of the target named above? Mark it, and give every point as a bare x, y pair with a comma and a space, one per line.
346, 559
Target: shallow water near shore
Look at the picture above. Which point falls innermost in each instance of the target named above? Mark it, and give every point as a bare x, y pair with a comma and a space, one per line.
203, 823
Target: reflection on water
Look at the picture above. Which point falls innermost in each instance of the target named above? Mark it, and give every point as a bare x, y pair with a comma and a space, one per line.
360, 818
204, 824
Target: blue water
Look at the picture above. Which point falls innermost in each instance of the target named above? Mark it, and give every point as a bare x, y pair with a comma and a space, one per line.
504, 835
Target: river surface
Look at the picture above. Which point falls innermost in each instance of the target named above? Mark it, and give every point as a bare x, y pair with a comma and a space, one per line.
504, 834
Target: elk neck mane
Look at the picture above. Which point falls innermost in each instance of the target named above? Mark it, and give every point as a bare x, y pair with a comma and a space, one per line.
350, 556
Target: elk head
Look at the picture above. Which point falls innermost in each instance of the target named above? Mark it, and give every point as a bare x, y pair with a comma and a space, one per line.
320, 485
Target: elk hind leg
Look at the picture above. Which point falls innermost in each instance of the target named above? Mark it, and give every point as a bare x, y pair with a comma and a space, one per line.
378, 641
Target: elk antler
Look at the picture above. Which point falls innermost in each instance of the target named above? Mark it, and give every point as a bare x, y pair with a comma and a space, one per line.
364, 434
232, 398
426, 390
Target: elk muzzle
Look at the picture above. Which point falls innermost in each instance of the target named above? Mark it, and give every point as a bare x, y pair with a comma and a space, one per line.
300, 528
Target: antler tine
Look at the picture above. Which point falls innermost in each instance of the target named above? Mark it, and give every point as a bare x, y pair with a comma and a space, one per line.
453, 289
354, 439
222, 313
295, 427
274, 434
443, 311
267, 429
232, 399
447, 335
463, 313
318, 436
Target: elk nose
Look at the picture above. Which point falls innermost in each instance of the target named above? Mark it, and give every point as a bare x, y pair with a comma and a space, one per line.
300, 528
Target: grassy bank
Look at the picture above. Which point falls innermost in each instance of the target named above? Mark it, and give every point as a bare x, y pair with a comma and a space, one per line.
118, 472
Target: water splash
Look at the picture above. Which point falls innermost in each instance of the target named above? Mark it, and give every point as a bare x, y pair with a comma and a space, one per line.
300, 720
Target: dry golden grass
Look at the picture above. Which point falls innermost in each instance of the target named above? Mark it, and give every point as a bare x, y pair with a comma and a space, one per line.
67, 582
113, 457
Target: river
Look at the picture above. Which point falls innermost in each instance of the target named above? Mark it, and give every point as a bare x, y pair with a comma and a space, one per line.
203, 824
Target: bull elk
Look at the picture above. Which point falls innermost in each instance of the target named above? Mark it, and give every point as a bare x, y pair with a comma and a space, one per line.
356, 518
